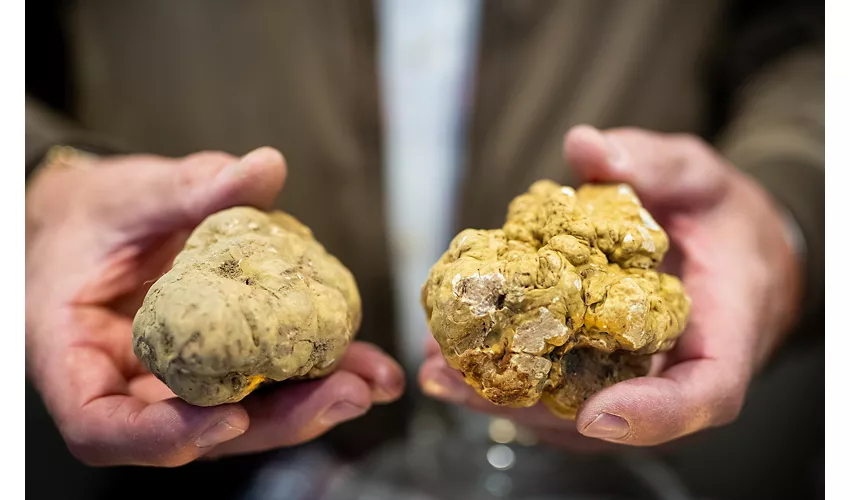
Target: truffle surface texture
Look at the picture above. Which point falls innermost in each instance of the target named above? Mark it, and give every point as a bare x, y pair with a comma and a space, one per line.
252, 298
561, 302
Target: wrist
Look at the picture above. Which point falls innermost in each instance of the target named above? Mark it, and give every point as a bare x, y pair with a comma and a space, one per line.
70, 154
796, 186
795, 238
779, 250
793, 269
789, 273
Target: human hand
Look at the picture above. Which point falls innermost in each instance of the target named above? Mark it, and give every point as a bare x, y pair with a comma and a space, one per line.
731, 247
99, 232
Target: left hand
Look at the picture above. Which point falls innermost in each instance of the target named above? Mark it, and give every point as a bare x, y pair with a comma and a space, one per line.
99, 233
731, 247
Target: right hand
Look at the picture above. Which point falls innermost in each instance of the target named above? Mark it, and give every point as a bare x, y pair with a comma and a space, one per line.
732, 250
97, 237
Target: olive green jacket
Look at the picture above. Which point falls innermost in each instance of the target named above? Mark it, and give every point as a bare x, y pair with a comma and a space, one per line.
169, 77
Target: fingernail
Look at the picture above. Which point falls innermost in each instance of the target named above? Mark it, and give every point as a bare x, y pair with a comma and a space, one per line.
390, 389
217, 434
607, 426
239, 168
384, 394
442, 386
341, 412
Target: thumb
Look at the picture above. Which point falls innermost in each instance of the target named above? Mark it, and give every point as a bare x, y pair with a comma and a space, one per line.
664, 169
147, 196
122, 430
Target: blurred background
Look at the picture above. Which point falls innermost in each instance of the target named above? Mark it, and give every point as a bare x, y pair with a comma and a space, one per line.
412, 120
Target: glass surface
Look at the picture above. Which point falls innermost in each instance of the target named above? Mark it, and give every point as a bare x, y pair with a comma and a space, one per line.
471, 458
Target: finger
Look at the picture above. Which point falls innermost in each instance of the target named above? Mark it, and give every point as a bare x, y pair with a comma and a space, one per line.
658, 364
688, 397
295, 413
137, 276
664, 169
149, 389
705, 376
432, 348
384, 376
122, 430
167, 195
442, 382
103, 425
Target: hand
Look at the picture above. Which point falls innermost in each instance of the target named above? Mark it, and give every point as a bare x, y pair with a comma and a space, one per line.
731, 247
98, 234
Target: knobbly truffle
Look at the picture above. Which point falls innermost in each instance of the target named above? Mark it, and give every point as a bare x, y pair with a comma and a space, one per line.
253, 297
561, 302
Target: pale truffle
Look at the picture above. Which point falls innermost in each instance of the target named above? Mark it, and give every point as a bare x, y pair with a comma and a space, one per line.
252, 298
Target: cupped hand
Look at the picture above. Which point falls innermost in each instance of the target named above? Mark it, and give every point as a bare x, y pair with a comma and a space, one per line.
733, 249
99, 232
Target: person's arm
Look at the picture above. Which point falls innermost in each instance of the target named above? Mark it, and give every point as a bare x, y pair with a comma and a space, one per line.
100, 231
49, 92
733, 234
100, 228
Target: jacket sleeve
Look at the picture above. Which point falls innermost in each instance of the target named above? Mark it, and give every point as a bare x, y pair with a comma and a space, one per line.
46, 128
776, 134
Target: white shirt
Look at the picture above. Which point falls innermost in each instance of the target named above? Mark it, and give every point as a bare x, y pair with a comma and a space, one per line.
427, 60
